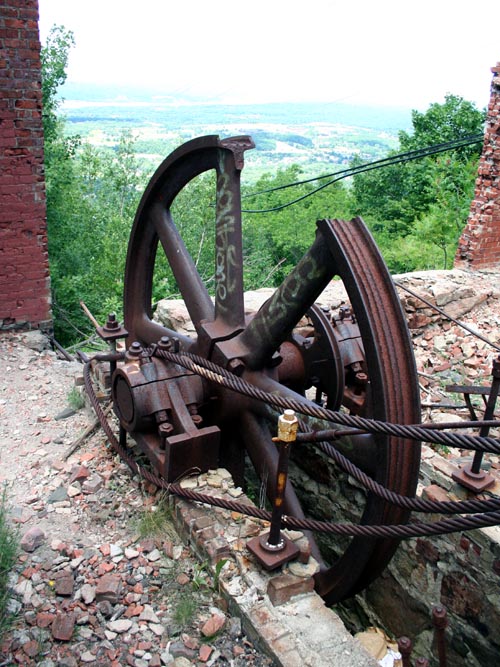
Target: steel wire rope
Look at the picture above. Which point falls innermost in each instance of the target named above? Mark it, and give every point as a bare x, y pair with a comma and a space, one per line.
378, 164
416, 529
407, 530
215, 373
447, 145
448, 317
415, 504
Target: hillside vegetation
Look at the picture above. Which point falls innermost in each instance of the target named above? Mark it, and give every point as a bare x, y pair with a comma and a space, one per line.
415, 209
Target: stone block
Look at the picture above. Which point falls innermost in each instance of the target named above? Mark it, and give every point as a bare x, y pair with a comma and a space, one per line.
63, 626
109, 587
32, 539
435, 493
282, 588
217, 548
64, 583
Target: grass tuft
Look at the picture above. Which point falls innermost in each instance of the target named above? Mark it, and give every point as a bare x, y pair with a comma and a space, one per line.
75, 399
156, 520
185, 609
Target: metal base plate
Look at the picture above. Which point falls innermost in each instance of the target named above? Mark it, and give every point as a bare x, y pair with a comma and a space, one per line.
269, 559
473, 481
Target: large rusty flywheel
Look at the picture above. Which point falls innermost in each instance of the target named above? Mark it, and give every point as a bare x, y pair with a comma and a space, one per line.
362, 362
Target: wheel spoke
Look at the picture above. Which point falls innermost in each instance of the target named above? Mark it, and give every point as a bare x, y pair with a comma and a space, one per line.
192, 288
274, 322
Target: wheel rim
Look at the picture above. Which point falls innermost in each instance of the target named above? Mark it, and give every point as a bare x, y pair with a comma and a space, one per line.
340, 248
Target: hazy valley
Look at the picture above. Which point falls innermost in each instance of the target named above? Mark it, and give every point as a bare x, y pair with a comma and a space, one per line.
318, 137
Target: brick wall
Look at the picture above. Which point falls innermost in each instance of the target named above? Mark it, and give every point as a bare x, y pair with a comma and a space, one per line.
479, 245
24, 269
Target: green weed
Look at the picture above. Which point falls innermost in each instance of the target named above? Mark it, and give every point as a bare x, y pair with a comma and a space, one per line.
9, 545
76, 399
156, 520
185, 609
199, 577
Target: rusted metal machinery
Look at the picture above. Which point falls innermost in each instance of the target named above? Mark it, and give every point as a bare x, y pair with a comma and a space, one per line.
361, 359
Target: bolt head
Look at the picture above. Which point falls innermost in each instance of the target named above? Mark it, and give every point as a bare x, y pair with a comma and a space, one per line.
236, 366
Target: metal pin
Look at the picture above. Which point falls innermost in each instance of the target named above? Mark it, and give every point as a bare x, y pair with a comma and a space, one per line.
274, 549
405, 647
440, 623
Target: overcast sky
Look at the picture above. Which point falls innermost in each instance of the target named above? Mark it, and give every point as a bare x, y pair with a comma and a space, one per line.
390, 52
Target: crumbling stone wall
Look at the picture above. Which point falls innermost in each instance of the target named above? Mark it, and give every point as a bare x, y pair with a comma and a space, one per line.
24, 268
479, 245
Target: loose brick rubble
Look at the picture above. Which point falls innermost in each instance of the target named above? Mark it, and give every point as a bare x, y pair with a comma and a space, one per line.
87, 589
91, 590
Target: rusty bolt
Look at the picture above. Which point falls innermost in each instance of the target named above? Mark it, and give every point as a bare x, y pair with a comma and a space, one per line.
112, 323
405, 647
164, 343
496, 368
135, 350
287, 426
165, 429
440, 617
193, 411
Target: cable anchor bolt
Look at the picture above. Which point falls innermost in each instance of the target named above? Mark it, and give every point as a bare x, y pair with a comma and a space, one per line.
273, 549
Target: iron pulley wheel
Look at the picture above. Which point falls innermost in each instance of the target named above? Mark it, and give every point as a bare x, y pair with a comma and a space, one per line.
251, 347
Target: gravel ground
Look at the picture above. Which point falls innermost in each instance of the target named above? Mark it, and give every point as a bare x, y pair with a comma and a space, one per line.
102, 577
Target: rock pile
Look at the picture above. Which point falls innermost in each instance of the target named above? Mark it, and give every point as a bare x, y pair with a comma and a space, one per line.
119, 605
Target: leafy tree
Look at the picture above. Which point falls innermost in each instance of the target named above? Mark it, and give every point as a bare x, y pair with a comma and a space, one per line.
390, 196
91, 199
427, 198
54, 60
451, 120
442, 224
281, 234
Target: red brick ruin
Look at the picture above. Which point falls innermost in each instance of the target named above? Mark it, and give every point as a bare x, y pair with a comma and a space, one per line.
479, 245
24, 267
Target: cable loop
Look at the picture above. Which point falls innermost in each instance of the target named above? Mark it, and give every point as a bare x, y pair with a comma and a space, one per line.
417, 529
